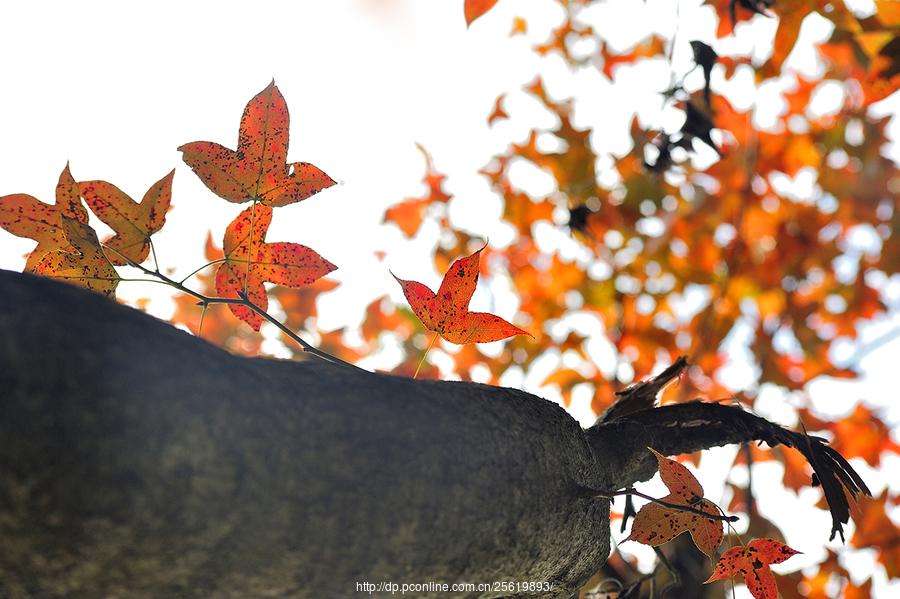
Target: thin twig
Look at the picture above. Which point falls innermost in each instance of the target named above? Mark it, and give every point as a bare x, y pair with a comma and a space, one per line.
195, 271
672, 506
205, 300
153, 251
202, 318
250, 242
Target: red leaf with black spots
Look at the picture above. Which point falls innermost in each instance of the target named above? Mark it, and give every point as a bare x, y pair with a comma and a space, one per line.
752, 562
447, 311
86, 266
656, 524
26, 216
250, 261
258, 169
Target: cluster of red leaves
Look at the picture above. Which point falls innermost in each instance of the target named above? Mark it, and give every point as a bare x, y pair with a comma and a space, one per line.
258, 172
68, 247
735, 235
656, 524
874, 530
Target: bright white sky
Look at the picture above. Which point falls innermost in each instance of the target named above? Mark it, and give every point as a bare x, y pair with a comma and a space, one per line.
115, 87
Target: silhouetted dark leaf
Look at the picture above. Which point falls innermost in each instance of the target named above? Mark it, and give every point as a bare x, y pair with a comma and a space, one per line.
698, 125
706, 58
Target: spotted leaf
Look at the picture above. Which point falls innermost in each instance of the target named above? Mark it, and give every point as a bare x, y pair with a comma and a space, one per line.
250, 261
26, 216
86, 266
656, 524
258, 169
133, 222
752, 563
447, 311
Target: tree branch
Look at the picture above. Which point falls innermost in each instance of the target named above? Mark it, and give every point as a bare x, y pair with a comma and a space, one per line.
696, 425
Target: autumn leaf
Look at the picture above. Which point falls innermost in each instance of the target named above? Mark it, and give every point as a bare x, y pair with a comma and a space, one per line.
476, 8
26, 216
519, 27
409, 214
258, 170
648, 48
704, 57
249, 259
300, 304
218, 327
86, 267
133, 223
565, 379
656, 524
876, 530
498, 113
752, 562
447, 312
860, 434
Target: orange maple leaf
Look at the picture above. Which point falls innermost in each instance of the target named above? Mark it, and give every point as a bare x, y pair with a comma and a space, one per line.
409, 214
656, 524
876, 530
476, 8
87, 266
258, 170
447, 312
498, 113
752, 562
26, 216
133, 223
249, 261
519, 26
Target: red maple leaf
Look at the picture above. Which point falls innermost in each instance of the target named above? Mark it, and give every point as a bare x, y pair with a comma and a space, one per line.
475, 8
752, 562
258, 170
498, 113
656, 524
447, 312
26, 216
133, 223
249, 261
410, 213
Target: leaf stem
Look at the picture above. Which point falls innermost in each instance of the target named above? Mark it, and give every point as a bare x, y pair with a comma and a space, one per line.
250, 245
153, 252
202, 317
425, 354
201, 268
